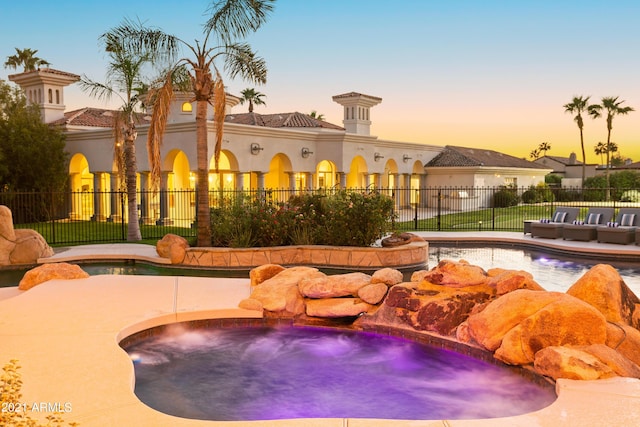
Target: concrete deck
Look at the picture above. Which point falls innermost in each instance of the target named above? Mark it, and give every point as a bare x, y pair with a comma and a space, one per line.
65, 335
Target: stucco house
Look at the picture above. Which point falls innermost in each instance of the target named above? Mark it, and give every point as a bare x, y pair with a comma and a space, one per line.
277, 151
569, 168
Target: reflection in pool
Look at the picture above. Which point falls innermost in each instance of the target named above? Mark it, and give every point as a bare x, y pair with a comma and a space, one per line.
552, 272
259, 373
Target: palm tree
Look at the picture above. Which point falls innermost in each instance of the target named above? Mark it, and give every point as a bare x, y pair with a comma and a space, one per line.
316, 116
124, 78
613, 108
600, 149
253, 97
535, 154
230, 20
544, 147
577, 106
26, 59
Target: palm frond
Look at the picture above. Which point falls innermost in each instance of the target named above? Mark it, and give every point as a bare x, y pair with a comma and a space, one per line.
219, 106
162, 97
241, 60
234, 19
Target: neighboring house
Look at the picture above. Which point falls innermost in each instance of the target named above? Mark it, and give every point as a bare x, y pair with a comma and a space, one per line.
475, 168
277, 151
569, 168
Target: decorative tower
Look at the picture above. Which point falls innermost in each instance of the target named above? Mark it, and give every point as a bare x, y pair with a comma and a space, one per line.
45, 87
356, 111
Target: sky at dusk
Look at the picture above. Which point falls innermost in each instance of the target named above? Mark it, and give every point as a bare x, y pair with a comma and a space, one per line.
487, 74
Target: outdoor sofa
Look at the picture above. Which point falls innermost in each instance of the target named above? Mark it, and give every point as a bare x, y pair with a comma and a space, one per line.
587, 229
552, 228
623, 230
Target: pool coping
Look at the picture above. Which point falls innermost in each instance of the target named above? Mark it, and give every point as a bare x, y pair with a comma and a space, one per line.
67, 333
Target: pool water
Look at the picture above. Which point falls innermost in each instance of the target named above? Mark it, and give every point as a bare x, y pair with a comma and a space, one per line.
260, 373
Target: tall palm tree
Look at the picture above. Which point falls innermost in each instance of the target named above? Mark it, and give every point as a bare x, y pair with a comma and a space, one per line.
124, 78
316, 116
600, 149
577, 106
25, 58
613, 107
535, 154
543, 148
230, 20
252, 97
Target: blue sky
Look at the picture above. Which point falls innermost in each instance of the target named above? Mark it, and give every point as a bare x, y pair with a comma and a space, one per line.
489, 74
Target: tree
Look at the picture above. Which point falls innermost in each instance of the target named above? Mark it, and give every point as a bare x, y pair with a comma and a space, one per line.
26, 59
613, 107
33, 152
535, 154
230, 20
252, 97
600, 149
316, 116
544, 147
577, 106
124, 80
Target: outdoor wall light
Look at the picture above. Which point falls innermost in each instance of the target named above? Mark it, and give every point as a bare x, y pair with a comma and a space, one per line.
306, 152
256, 148
377, 156
406, 158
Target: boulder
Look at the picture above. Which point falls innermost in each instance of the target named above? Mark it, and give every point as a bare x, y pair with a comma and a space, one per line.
46, 272
173, 247
337, 307
338, 285
388, 276
6, 247
567, 321
625, 340
456, 274
264, 272
280, 292
604, 289
373, 293
418, 276
30, 246
399, 239
7, 231
571, 363
251, 304
506, 281
489, 326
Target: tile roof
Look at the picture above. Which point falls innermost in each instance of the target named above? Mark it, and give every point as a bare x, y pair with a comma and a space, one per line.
93, 117
353, 95
452, 156
563, 160
49, 71
283, 120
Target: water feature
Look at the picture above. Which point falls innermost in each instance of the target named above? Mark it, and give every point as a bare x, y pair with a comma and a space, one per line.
253, 373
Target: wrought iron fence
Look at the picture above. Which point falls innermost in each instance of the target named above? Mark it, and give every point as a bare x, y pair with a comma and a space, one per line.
87, 216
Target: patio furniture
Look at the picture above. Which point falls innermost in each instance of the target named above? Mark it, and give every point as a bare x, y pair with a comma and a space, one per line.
552, 228
588, 229
623, 230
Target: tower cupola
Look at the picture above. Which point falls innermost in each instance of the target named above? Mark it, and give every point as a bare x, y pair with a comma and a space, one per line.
356, 111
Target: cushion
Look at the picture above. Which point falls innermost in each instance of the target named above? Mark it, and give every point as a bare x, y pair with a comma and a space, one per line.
593, 218
627, 220
559, 217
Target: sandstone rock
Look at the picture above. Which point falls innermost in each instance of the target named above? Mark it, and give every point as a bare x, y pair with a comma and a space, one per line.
506, 281
373, 293
173, 247
456, 274
388, 276
251, 304
625, 340
603, 288
620, 364
565, 362
418, 276
280, 293
6, 224
336, 307
52, 271
333, 286
399, 239
30, 246
6, 247
500, 316
565, 321
264, 272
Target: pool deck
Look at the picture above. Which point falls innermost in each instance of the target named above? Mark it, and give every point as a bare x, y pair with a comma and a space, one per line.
65, 335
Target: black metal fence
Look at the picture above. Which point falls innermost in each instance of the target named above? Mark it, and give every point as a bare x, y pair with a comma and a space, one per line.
85, 217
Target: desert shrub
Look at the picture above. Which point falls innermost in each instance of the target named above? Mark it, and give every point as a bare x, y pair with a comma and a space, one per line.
630, 196
538, 194
553, 179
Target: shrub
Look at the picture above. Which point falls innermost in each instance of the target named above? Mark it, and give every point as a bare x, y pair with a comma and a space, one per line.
538, 194
341, 219
630, 196
553, 179
505, 197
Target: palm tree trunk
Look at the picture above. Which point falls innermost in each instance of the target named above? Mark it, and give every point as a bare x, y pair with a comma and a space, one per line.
131, 167
203, 215
584, 158
606, 171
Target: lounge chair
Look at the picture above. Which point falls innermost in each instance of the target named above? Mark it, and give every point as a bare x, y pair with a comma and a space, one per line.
587, 229
623, 230
552, 229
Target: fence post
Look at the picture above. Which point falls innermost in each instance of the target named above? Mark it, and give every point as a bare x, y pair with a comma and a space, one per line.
438, 208
122, 221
